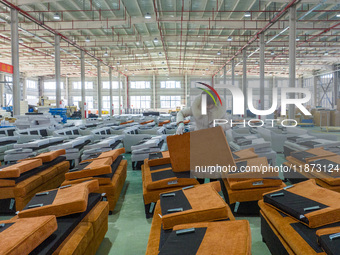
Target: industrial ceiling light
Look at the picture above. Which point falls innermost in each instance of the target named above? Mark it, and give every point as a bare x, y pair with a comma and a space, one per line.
163, 63
147, 16
218, 53
87, 39
229, 38
211, 62
297, 39
272, 53
160, 53
21, 41
203, 73
326, 53
106, 54
207, 69
338, 15
257, 62
118, 63
126, 70
247, 14
56, 16
155, 40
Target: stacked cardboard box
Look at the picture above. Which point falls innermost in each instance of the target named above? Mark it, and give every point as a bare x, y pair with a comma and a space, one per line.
322, 117
335, 118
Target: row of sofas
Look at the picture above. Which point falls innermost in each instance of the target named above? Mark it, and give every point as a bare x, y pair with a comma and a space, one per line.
109, 168
319, 164
196, 220
303, 218
67, 220
21, 181
188, 217
67, 211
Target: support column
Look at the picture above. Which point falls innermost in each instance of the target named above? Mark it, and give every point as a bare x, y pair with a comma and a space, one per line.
41, 86
67, 90
24, 88
335, 86
69, 97
57, 68
119, 96
300, 85
15, 61
272, 84
186, 89
82, 81
244, 81
111, 90
224, 83
154, 91
99, 87
315, 91
127, 104
233, 72
2, 89
262, 59
292, 56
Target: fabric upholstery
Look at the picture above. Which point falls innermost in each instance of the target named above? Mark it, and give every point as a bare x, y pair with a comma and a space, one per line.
67, 201
26, 234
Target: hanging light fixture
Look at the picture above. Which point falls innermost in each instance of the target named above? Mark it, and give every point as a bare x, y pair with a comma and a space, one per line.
247, 14
106, 54
272, 53
211, 62
155, 40
56, 16
218, 53
147, 16
87, 39
229, 38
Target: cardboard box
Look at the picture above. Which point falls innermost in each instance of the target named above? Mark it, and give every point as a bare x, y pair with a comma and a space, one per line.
322, 118
335, 118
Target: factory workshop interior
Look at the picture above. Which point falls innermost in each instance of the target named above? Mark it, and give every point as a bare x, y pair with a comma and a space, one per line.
170, 127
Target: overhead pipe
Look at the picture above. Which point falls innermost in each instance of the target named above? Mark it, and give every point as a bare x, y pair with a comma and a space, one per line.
180, 44
77, 10
311, 38
161, 34
51, 30
193, 29
140, 37
265, 28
